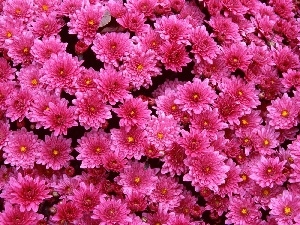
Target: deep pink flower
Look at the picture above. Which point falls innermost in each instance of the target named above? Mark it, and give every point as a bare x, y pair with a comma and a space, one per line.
19, 48
267, 140
128, 142
172, 29
196, 96
142, 6
149, 39
194, 141
46, 6
46, 25
111, 211
285, 208
86, 197
116, 8
60, 72
283, 113
114, 161
174, 56
29, 78
250, 121
140, 66
190, 12
85, 22
19, 9
26, 191
92, 148
167, 192
21, 149
137, 178
217, 204
59, 117
162, 131
204, 47
133, 112
268, 171
9, 28
161, 216
207, 169
13, 216
284, 8
291, 79
174, 160
66, 212
65, 185
286, 59
54, 152
242, 210
237, 56
87, 80
111, 47
113, 85
6, 71
68, 7
42, 49
136, 202
133, 21
92, 112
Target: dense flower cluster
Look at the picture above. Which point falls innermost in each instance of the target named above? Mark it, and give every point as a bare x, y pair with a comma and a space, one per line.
149, 112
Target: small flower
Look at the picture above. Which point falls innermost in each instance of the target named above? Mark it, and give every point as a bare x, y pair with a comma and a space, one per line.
55, 152
133, 21
286, 59
46, 25
29, 78
27, 192
111, 211
67, 212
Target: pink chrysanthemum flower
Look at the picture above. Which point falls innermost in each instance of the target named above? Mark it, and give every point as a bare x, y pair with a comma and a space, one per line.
29, 78
243, 93
204, 47
189, 12
250, 121
167, 192
161, 216
217, 204
18, 104
237, 57
229, 110
206, 170
46, 6
116, 8
134, 111
92, 112
92, 148
208, 120
60, 72
166, 87
111, 211
267, 140
136, 202
111, 47
231, 181
13, 216
242, 211
291, 79
137, 178
46, 25
6, 72
55, 152
133, 21
66, 212
129, 143
268, 171
247, 139
149, 39
174, 56
284, 8
68, 7
113, 85
142, 6
85, 22
114, 161
9, 28
19, 48
19, 9
162, 131
186, 203
87, 80
27, 192
42, 49
21, 149
283, 113
285, 208
194, 141
86, 197
174, 160
172, 29
286, 59
196, 96
59, 117
4, 133
140, 67
65, 185
39, 106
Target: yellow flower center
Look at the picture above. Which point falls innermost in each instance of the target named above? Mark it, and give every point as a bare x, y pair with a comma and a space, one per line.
244, 122
266, 142
137, 180
23, 149
8, 34
132, 113
92, 109
91, 22
284, 113
164, 191
98, 149
235, 60
240, 93
174, 107
18, 11
265, 192
45, 7
130, 139
195, 97
269, 170
55, 152
160, 135
244, 211
61, 72
244, 177
88, 81
34, 82
287, 210
139, 67
25, 50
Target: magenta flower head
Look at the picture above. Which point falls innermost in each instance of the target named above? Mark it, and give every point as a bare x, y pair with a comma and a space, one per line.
26, 191
111, 211
283, 113
208, 169
195, 97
